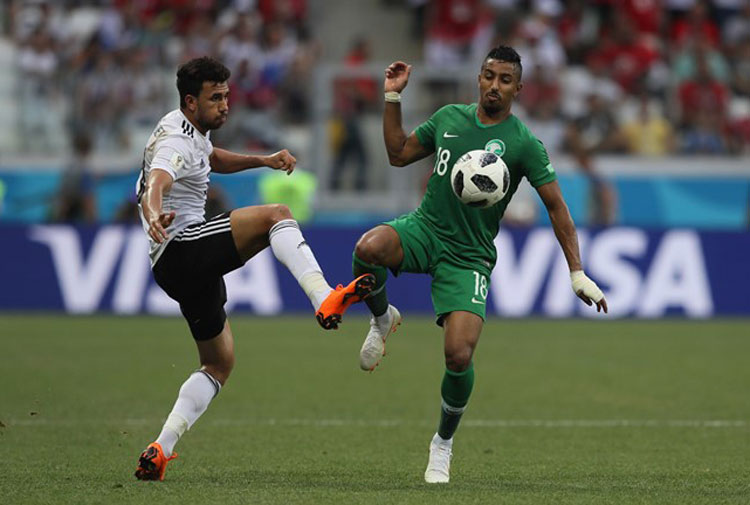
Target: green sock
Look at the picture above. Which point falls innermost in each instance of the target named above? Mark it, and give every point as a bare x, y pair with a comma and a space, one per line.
377, 302
455, 391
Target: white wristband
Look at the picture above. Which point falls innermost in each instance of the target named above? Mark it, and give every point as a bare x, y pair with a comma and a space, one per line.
393, 96
582, 284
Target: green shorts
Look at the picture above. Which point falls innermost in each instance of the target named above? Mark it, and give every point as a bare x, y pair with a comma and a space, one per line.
456, 283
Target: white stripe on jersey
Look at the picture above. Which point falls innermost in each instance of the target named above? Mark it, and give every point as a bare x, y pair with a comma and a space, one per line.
220, 226
197, 228
203, 235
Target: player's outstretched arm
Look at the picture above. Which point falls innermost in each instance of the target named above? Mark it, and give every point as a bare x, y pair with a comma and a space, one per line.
402, 149
565, 231
227, 162
159, 182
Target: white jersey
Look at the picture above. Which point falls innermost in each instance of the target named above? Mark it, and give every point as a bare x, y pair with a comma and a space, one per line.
179, 149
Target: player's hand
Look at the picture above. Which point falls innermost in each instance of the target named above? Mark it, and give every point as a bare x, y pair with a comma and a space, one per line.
282, 160
588, 291
396, 76
157, 226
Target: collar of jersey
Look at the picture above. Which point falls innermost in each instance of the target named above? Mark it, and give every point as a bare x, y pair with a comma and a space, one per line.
475, 106
191, 123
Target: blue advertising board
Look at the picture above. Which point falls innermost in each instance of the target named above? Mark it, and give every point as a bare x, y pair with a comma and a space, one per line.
644, 273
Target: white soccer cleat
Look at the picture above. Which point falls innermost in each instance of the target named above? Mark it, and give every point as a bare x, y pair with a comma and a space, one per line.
439, 463
373, 348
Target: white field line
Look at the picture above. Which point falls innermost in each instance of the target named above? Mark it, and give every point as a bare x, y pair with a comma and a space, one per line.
387, 423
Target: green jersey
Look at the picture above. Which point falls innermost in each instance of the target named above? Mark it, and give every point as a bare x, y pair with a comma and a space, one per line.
452, 131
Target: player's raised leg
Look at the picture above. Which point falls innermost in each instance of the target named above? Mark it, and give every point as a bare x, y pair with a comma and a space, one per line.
217, 360
376, 251
462, 330
255, 228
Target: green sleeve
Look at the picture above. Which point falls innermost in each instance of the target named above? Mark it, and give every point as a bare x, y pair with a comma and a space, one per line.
539, 170
426, 131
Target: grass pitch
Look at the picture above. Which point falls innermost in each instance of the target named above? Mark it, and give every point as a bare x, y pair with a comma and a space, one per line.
564, 412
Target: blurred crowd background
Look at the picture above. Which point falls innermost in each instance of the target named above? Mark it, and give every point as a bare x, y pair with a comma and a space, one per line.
84, 82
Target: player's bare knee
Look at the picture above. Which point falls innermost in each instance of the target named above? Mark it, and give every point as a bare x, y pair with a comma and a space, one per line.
363, 250
278, 212
221, 370
458, 360
370, 249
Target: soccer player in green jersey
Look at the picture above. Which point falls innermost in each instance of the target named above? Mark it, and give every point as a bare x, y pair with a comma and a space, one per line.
454, 242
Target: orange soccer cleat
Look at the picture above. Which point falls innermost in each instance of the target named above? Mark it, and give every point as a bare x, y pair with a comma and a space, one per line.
152, 464
333, 307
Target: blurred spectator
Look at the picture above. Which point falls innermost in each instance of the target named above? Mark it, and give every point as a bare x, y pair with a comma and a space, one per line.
99, 104
648, 133
724, 10
696, 24
296, 88
685, 64
740, 128
352, 97
595, 131
200, 39
76, 201
241, 42
619, 48
37, 65
418, 15
143, 93
278, 48
602, 209
702, 96
540, 99
252, 122
537, 41
703, 135
602, 197
578, 29
646, 15
741, 69
627, 54
577, 83
737, 28
677, 9
291, 13
457, 31
541, 89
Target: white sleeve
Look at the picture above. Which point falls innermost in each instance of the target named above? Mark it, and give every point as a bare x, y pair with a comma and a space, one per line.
172, 156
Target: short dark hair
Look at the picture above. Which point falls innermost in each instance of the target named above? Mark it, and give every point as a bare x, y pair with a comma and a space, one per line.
192, 75
507, 54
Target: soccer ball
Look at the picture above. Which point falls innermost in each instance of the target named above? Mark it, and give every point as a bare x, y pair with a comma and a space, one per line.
480, 178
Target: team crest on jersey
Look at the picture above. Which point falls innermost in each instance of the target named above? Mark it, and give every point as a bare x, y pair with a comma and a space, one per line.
496, 146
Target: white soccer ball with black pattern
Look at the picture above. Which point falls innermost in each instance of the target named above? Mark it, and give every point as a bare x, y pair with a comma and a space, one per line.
480, 178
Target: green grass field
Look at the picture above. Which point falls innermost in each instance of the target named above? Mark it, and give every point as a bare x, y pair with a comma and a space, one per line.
563, 412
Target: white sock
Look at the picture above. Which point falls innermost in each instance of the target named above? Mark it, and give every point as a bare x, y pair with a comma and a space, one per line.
290, 248
195, 395
437, 439
384, 318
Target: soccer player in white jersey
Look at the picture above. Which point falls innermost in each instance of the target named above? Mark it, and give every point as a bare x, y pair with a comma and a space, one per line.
189, 255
